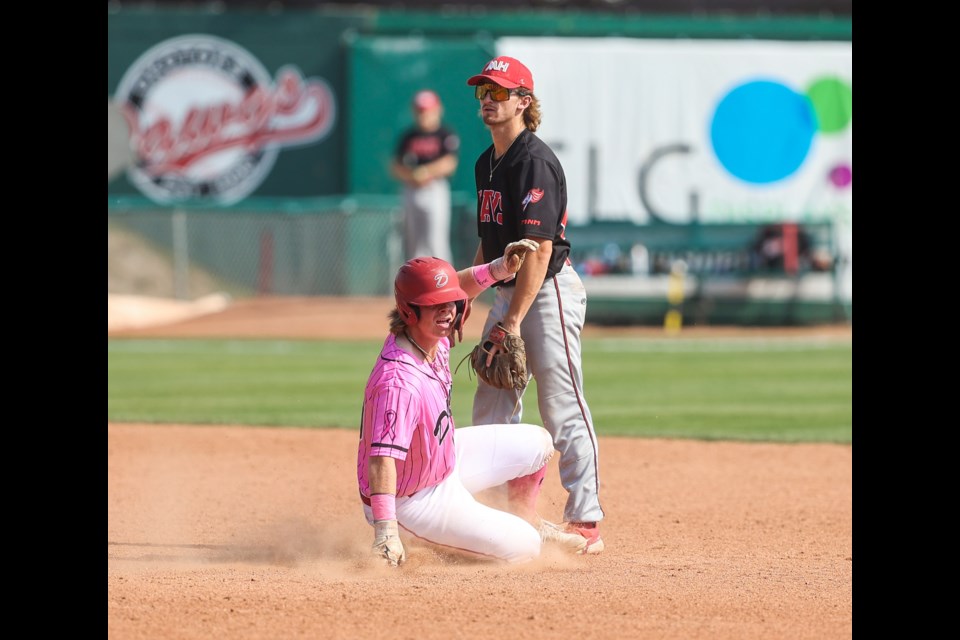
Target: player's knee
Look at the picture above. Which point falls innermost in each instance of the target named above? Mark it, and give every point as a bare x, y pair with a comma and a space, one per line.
545, 440
541, 438
525, 547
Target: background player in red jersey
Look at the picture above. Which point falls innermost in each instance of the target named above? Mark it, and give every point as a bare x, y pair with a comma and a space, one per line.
415, 470
424, 159
522, 193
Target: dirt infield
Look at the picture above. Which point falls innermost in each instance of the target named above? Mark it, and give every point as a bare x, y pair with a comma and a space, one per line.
250, 533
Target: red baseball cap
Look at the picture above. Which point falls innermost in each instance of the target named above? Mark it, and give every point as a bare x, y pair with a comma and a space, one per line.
506, 72
425, 100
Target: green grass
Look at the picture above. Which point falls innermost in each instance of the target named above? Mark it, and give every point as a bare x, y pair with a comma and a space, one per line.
778, 390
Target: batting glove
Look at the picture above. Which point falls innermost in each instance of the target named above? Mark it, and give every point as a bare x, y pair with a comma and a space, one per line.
386, 543
506, 266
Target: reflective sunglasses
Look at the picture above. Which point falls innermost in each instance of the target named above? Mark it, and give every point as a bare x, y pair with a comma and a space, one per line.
497, 93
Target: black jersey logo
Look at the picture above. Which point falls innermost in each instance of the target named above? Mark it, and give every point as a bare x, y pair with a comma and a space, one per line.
534, 195
491, 206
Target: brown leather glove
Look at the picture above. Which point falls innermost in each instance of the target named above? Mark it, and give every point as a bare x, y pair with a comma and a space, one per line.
508, 369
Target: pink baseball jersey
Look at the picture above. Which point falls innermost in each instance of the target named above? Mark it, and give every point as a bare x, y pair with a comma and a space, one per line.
407, 416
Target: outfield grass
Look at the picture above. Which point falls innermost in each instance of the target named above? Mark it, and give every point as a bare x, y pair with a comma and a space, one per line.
771, 389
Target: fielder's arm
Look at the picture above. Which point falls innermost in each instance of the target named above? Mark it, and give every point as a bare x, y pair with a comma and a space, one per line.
529, 281
442, 167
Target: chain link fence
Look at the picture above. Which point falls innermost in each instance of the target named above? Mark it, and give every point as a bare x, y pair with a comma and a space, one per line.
338, 246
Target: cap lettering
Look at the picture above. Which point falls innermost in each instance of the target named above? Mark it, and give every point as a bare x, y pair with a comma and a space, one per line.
497, 65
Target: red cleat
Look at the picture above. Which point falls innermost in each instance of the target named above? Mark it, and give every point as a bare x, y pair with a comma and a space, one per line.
590, 531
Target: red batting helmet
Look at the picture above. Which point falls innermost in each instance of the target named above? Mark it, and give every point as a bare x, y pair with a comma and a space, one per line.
424, 282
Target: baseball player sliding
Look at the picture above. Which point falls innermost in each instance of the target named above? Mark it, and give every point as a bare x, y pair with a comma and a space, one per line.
416, 471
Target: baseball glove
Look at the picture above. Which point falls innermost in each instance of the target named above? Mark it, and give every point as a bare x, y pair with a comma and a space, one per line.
508, 370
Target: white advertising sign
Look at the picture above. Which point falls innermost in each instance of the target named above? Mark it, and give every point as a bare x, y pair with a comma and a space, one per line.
678, 130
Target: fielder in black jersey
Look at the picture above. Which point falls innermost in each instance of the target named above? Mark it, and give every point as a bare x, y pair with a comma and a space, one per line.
522, 193
424, 159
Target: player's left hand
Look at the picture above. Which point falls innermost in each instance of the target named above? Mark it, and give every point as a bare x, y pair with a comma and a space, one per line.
501, 360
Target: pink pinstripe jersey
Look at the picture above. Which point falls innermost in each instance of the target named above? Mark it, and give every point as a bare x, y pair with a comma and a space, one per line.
407, 416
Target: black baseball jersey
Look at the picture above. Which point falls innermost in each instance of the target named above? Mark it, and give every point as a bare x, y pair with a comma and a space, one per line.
417, 147
523, 196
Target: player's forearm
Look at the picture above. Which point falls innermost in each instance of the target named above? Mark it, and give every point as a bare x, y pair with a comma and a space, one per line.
382, 475
467, 281
477, 260
402, 172
476, 280
439, 168
529, 280
443, 167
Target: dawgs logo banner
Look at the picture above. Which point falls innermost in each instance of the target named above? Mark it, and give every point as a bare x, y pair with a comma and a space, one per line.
206, 121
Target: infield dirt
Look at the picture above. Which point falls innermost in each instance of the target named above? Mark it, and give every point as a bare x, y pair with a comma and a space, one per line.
250, 533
